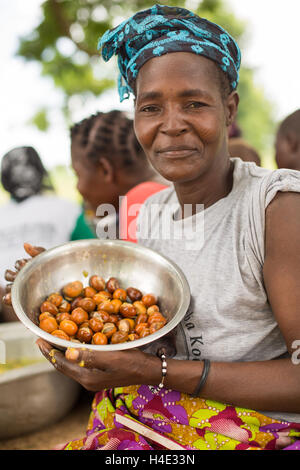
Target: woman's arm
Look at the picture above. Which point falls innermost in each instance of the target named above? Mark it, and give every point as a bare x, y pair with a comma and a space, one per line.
266, 385
270, 385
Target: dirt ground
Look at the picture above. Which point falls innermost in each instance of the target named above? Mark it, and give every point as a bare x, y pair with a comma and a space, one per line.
72, 426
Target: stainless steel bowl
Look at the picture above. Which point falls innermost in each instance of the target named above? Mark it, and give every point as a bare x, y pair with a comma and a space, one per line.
133, 265
33, 396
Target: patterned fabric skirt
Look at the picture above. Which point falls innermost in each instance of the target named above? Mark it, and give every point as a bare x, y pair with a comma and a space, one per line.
135, 418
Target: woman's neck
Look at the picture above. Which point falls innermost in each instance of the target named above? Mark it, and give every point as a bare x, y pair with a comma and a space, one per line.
206, 190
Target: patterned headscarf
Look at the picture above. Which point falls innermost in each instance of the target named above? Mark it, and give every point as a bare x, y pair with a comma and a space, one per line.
163, 29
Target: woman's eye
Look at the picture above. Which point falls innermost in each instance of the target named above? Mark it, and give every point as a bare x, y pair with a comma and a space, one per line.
149, 109
196, 105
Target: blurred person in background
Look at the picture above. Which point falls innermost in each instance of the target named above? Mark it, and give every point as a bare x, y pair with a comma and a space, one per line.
287, 145
239, 148
34, 212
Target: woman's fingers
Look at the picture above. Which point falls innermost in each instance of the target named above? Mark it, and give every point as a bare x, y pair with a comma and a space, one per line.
10, 275
33, 250
6, 299
20, 263
58, 360
84, 357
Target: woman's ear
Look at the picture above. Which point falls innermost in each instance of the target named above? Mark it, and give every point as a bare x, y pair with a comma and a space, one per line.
107, 170
232, 103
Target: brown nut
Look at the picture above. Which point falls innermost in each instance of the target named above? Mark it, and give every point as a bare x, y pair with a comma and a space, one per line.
87, 304
106, 306
49, 324
156, 326
156, 317
117, 304
89, 291
140, 327
140, 307
48, 307
73, 289
45, 315
141, 318
56, 299
120, 294
152, 309
112, 284
99, 338
65, 306
119, 337
124, 325
113, 318
84, 334
145, 332
97, 282
69, 327
100, 296
128, 310
63, 316
79, 315
61, 334
149, 299
109, 329
75, 302
101, 315
134, 294
133, 336
96, 324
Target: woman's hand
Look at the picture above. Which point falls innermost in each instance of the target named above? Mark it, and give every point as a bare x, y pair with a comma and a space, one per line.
10, 275
96, 370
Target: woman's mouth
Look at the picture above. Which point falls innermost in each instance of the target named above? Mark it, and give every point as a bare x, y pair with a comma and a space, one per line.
176, 152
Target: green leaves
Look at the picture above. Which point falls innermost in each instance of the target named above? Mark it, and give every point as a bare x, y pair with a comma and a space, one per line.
79, 71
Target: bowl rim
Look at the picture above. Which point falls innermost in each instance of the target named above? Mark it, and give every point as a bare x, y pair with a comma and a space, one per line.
64, 344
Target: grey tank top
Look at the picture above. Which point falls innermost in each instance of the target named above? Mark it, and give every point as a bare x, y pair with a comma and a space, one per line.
221, 252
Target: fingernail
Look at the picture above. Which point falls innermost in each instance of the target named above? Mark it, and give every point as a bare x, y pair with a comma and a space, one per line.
72, 354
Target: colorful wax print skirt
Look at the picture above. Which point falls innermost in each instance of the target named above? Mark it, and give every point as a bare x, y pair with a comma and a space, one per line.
136, 418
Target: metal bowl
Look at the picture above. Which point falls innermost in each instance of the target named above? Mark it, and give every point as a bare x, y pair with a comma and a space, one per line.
33, 396
133, 265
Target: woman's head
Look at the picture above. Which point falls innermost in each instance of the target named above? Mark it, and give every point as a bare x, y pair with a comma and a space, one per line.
23, 174
164, 29
184, 72
287, 145
106, 157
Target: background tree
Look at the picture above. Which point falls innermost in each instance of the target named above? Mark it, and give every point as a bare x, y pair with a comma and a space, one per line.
65, 44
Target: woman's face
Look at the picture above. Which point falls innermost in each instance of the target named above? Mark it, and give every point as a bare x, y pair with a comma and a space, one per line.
180, 117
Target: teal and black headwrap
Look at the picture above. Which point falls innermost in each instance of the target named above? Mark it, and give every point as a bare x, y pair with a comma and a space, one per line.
163, 29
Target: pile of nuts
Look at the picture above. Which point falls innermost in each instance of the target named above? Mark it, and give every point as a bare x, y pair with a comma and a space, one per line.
101, 313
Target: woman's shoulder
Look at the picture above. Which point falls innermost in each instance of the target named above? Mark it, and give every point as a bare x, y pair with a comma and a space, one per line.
265, 180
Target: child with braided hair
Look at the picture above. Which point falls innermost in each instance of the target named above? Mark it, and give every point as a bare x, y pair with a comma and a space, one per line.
108, 160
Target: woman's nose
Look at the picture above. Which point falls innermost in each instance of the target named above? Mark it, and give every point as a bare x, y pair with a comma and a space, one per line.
173, 124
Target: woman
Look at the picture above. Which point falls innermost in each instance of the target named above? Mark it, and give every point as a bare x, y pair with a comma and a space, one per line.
245, 290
